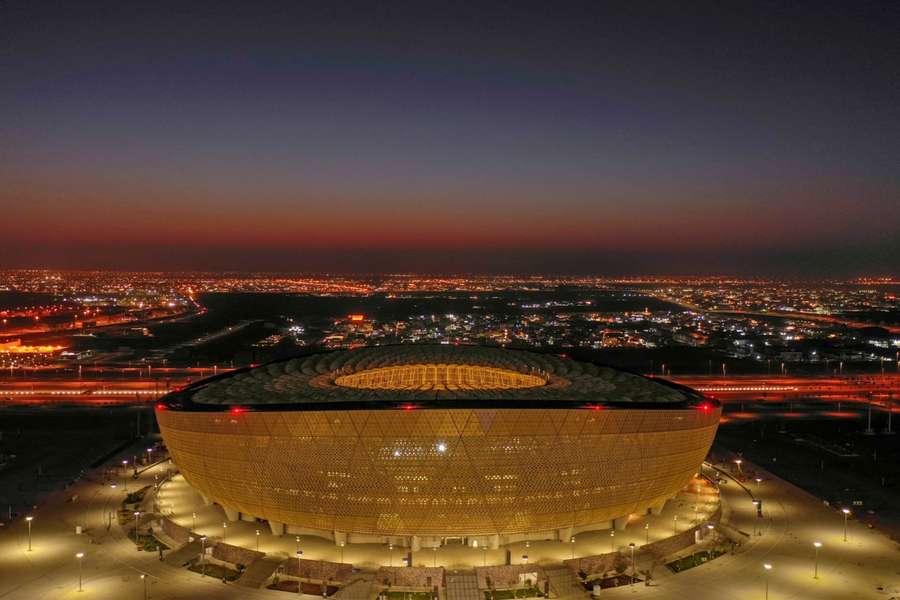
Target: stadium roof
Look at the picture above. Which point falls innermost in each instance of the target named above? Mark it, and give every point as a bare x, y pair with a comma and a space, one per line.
428, 376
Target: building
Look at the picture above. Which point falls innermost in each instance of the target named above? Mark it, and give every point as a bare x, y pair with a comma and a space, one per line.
421, 445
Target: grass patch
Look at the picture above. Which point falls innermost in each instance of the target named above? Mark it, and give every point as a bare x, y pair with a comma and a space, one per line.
531, 592
395, 595
694, 560
146, 542
213, 570
311, 589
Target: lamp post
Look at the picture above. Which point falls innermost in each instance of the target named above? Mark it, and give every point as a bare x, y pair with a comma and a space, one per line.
257, 541
125, 475
224, 530
299, 558
342, 552
816, 545
612, 540
846, 512
193, 521
631, 545
149, 456
572, 541
756, 530
297, 539
738, 462
203, 555
758, 482
675, 525
484, 556
768, 568
144, 581
647, 533
79, 556
137, 523
390, 555
28, 520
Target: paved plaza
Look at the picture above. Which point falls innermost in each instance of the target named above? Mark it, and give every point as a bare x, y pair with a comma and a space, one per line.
865, 566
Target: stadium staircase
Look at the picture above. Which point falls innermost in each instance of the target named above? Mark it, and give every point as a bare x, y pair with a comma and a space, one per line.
564, 584
180, 556
361, 588
259, 572
462, 586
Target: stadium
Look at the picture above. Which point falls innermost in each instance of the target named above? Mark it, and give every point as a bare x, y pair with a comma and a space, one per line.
421, 445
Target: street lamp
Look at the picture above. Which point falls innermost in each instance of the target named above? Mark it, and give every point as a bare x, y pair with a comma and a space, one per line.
342, 552
257, 540
675, 525
203, 555
631, 545
758, 482
125, 475
647, 532
391, 555
79, 556
846, 512
224, 530
817, 545
738, 462
149, 456
768, 568
28, 520
299, 558
612, 540
297, 539
144, 581
756, 531
572, 541
193, 521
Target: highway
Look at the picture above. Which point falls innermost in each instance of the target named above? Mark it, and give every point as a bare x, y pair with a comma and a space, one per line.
784, 388
142, 385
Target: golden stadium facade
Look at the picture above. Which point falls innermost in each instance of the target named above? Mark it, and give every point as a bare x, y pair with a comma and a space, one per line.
417, 444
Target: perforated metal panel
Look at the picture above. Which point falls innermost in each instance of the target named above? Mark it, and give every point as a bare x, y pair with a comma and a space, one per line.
440, 472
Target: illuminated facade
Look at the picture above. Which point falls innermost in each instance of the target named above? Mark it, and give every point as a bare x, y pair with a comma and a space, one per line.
416, 444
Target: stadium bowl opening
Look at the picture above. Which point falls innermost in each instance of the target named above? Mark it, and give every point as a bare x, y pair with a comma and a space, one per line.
439, 377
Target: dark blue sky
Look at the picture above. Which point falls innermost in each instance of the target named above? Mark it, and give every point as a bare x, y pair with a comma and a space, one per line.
746, 138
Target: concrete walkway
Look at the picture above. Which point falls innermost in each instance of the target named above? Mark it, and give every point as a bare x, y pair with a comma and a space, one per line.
111, 566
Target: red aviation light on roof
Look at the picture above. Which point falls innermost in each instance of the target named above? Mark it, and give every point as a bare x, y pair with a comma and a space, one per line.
409, 406
237, 410
705, 407
160, 406
594, 406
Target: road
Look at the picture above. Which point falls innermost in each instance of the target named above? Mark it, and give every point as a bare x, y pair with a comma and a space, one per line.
142, 385
796, 315
781, 388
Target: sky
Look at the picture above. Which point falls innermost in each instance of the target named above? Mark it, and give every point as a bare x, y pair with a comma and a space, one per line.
743, 138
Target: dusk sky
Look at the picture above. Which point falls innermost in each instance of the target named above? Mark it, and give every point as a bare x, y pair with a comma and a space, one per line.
736, 138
